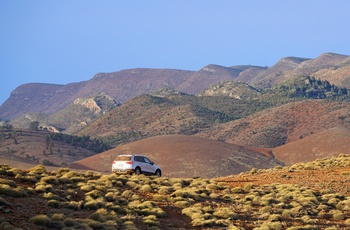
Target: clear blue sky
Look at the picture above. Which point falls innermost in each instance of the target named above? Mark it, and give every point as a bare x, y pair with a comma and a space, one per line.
64, 41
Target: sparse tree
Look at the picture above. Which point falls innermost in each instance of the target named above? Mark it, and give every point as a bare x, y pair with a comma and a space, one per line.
34, 125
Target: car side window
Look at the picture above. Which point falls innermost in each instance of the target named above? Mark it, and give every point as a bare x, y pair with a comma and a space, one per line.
137, 158
147, 160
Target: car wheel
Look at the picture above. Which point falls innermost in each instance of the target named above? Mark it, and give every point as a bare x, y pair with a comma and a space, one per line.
137, 171
158, 173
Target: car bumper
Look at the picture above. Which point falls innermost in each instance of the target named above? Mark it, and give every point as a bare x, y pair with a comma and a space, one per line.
122, 171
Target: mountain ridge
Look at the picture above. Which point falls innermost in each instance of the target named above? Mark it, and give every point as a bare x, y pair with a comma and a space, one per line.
126, 84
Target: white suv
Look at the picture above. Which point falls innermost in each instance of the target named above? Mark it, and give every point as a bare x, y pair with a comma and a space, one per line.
135, 164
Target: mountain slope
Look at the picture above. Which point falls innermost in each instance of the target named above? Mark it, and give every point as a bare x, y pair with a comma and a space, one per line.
147, 115
327, 143
328, 66
121, 86
282, 124
185, 156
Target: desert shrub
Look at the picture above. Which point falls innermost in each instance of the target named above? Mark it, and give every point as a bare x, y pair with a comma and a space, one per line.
51, 196
41, 220
27, 178
74, 205
192, 211
8, 182
53, 203
238, 190
208, 209
43, 187
64, 180
159, 197
39, 169
202, 222
145, 188
147, 204
212, 187
347, 221
214, 195
111, 196
62, 171
132, 184
338, 215
58, 217
128, 194
225, 213
343, 205
129, 224
275, 218
11, 191
70, 222
86, 188
153, 211
99, 215
133, 204
333, 202
271, 225
186, 193
95, 194
151, 220
93, 205
118, 209
304, 227
182, 204
14, 172
165, 190
307, 219
49, 180
70, 174
286, 214
265, 209
162, 181
231, 197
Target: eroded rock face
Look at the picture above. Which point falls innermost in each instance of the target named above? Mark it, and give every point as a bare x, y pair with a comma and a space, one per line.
88, 103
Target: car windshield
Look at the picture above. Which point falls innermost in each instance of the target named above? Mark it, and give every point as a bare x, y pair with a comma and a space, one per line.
123, 158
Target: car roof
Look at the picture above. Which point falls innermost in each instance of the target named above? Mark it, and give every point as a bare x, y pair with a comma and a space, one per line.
129, 155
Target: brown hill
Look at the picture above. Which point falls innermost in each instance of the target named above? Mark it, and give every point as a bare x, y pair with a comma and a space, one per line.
23, 147
185, 156
282, 124
328, 143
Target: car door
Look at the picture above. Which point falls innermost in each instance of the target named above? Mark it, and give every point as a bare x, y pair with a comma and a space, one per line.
148, 165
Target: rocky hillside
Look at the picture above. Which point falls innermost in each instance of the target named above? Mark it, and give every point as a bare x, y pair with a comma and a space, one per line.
279, 125
72, 118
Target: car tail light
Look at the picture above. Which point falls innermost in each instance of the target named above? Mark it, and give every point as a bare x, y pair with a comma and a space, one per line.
128, 162
114, 162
